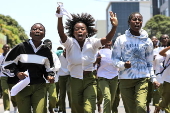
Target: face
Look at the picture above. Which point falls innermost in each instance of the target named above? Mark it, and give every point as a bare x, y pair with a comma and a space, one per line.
37, 32
49, 44
154, 40
136, 22
164, 39
80, 31
6, 48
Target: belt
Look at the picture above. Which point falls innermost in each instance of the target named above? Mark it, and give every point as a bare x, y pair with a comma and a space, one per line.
87, 72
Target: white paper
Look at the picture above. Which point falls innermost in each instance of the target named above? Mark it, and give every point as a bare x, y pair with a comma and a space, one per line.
63, 11
20, 85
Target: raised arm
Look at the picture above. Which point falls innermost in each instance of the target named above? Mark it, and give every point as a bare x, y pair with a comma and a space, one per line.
114, 22
60, 27
163, 52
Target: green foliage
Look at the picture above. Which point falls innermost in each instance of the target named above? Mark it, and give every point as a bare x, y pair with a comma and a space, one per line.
14, 32
158, 25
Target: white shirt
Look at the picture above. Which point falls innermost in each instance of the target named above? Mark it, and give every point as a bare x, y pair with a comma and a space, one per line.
33, 46
158, 63
57, 65
1, 59
156, 54
81, 60
166, 73
106, 69
63, 71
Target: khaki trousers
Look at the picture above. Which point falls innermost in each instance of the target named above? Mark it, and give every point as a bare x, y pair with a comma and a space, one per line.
134, 94
83, 94
32, 96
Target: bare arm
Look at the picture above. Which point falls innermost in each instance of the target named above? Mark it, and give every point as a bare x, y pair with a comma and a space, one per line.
163, 52
60, 27
114, 22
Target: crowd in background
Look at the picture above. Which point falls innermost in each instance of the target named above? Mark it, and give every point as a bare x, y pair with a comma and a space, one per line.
92, 72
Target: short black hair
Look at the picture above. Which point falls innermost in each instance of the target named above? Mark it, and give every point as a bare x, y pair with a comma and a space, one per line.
40, 24
59, 48
131, 16
85, 18
47, 40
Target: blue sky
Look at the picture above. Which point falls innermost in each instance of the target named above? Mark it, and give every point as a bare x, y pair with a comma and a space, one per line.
28, 12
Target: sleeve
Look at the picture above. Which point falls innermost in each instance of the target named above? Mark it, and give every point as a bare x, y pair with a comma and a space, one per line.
117, 56
68, 42
158, 64
9, 65
57, 63
97, 43
49, 65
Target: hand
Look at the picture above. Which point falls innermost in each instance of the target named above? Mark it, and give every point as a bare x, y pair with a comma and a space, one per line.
21, 75
58, 10
113, 19
127, 64
98, 60
50, 79
156, 84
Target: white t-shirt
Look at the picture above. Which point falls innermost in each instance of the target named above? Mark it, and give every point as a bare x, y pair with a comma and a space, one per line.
106, 69
81, 60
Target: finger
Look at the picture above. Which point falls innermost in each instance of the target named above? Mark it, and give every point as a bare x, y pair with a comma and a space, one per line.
115, 15
111, 14
25, 75
128, 61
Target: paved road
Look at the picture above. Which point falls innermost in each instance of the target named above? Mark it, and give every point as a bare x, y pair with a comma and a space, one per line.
120, 108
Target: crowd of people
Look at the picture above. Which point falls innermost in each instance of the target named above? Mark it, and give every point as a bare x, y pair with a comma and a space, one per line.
91, 71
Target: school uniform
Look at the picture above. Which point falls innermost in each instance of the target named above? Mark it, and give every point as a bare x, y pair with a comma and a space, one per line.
39, 62
158, 66
108, 79
5, 89
51, 87
83, 87
134, 81
64, 84
166, 85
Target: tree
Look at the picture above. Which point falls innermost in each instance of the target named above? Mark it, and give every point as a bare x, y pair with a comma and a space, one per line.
158, 25
10, 28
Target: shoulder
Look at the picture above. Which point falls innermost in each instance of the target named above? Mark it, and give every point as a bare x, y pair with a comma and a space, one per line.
121, 38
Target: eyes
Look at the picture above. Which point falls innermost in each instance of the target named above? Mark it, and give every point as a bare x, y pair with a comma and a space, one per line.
81, 28
40, 29
137, 19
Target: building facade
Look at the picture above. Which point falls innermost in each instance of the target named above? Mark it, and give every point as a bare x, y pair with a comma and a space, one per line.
123, 9
101, 28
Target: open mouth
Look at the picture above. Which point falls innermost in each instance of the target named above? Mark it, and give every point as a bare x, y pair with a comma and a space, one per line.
137, 26
37, 34
80, 36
